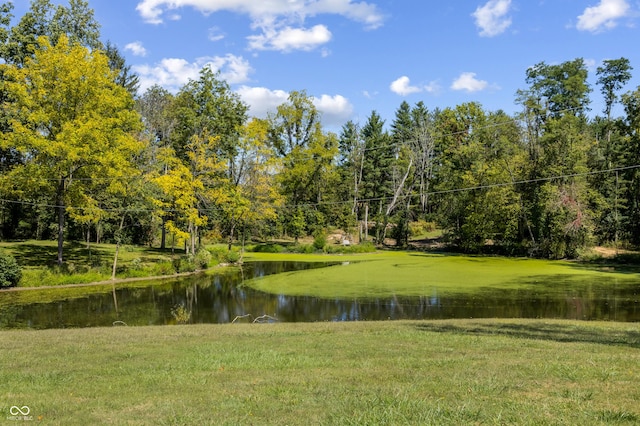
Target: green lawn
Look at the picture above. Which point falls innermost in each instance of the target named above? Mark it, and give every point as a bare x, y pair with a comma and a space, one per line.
386, 274
85, 264
383, 373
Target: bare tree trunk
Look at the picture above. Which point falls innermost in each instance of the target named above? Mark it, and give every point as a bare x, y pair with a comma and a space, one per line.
115, 261
366, 221
118, 241
399, 189
61, 208
163, 235
192, 238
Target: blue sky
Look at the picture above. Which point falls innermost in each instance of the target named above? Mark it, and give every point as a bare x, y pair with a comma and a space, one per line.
356, 56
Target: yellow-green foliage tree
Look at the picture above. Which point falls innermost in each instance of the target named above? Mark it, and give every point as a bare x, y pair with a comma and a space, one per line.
253, 196
73, 125
186, 184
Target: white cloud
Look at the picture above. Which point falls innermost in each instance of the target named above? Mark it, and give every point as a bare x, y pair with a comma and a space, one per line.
336, 110
288, 39
492, 18
369, 95
603, 16
591, 64
136, 48
402, 86
432, 87
467, 81
173, 73
261, 100
281, 22
215, 34
152, 10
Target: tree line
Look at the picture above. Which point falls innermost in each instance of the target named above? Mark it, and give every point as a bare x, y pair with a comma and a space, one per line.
84, 156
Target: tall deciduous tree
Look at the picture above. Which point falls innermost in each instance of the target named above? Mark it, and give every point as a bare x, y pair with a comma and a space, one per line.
156, 106
72, 123
307, 160
207, 111
610, 152
558, 98
76, 23
631, 122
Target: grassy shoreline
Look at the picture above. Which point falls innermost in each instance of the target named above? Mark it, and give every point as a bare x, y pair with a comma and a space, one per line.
404, 372
90, 265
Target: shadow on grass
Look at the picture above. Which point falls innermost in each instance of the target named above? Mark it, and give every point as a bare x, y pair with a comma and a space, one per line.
620, 265
565, 333
47, 256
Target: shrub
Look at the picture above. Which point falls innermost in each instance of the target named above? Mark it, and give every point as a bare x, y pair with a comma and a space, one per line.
366, 247
268, 248
223, 255
10, 271
421, 227
302, 248
136, 264
320, 240
233, 256
163, 268
202, 259
184, 264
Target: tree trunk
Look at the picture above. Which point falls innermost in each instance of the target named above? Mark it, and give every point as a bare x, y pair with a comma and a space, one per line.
60, 206
115, 262
118, 240
163, 237
233, 227
366, 221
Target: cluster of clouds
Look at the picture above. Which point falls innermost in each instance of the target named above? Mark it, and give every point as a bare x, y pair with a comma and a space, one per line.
494, 17
277, 25
466, 82
280, 25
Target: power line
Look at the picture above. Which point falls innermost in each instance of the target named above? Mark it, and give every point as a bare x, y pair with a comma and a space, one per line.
360, 200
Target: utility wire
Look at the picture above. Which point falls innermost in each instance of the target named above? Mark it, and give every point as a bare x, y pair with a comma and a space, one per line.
386, 146
361, 200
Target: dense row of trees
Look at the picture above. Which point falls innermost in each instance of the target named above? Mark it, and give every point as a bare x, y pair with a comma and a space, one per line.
83, 156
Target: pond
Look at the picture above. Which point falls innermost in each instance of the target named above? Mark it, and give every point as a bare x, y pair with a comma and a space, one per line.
222, 298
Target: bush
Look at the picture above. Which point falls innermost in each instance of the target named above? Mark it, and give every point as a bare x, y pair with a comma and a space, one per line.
223, 255
320, 240
302, 248
202, 259
10, 271
233, 256
268, 248
183, 264
421, 227
356, 248
163, 268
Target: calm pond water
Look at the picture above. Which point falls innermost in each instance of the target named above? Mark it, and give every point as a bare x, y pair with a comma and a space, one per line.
222, 298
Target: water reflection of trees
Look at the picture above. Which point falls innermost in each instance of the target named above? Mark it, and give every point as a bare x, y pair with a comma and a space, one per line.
221, 298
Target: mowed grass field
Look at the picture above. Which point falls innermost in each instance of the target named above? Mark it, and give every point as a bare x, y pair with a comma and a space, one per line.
455, 372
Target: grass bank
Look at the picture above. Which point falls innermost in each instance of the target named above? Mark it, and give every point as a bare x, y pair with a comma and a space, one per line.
94, 263
387, 274
427, 372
